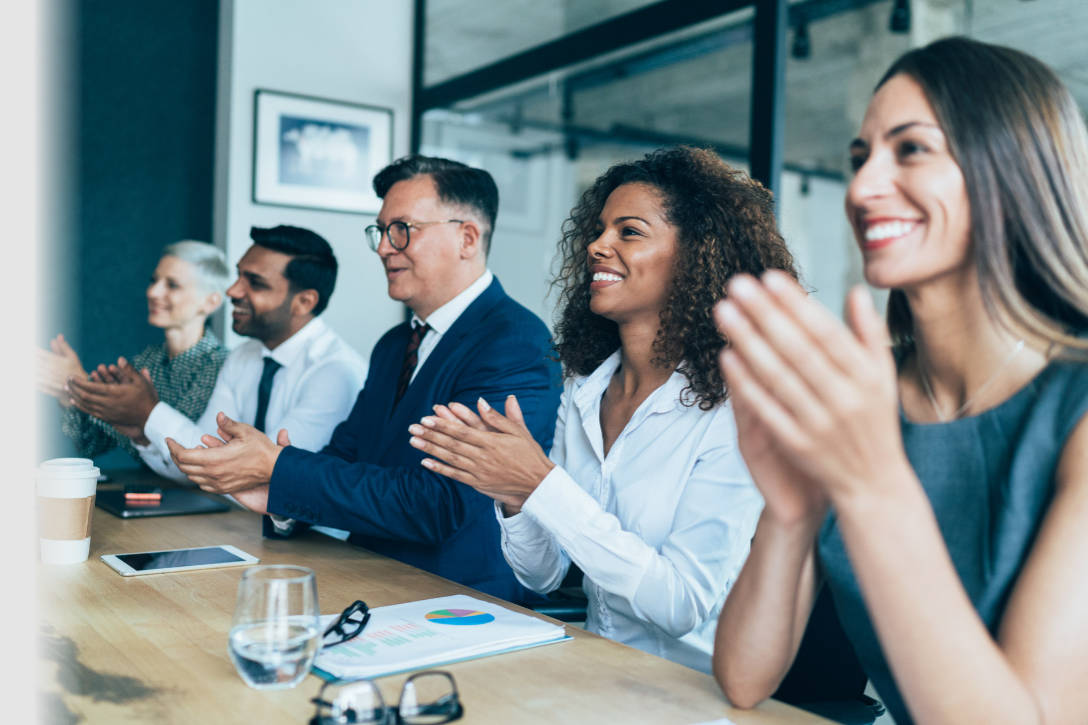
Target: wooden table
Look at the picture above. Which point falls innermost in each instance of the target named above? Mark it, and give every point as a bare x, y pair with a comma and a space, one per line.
154, 648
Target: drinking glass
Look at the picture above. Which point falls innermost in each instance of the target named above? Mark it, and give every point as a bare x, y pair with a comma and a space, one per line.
276, 629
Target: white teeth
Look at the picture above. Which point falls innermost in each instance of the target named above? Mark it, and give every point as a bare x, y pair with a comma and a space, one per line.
606, 277
887, 230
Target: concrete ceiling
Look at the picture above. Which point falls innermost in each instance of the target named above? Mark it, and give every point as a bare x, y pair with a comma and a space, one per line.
707, 96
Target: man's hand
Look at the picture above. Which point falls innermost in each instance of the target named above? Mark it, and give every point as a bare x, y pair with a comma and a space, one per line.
118, 395
242, 458
254, 499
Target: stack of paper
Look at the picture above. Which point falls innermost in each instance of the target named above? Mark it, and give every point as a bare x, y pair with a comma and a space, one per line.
432, 632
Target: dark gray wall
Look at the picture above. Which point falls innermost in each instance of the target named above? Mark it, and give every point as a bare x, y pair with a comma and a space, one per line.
141, 167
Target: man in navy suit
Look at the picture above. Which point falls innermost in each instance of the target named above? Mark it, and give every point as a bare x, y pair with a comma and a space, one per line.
466, 340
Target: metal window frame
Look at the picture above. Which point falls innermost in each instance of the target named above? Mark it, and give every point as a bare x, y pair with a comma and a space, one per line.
771, 20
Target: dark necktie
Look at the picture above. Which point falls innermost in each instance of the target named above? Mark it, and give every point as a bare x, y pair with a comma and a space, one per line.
264, 390
411, 357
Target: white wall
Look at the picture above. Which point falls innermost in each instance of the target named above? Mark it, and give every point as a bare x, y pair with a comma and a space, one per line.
814, 226
351, 50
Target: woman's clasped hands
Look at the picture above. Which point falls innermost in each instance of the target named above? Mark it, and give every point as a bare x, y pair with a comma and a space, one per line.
492, 453
815, 400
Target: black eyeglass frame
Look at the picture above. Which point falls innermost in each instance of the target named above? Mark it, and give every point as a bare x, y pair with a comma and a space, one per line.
391, 714
376, 241
339, 626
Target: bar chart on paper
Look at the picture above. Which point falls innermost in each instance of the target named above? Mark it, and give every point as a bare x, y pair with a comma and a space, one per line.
431, 632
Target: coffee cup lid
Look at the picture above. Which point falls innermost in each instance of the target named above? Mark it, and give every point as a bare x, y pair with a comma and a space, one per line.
68, 468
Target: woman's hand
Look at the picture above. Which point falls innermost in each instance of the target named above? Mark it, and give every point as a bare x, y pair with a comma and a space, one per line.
494, 454
55, 366
824, 394
791, 497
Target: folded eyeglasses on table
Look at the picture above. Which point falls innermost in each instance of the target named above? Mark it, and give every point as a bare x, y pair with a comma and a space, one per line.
426, 698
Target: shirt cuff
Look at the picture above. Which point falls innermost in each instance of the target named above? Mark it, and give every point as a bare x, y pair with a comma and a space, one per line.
560, 505
283, 525
164, 421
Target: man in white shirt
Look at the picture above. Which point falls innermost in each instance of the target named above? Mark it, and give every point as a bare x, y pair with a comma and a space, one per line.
467, 340
295, 373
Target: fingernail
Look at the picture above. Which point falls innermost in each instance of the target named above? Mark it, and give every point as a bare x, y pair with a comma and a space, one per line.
728, 312
483, 404
416, 442
416, 430
427, 463
428, 421
742, 287
774, 279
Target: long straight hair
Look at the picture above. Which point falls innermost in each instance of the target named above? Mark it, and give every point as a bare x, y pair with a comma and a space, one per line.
1020, 141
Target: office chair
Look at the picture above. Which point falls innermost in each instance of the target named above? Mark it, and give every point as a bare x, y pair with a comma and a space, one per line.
568, 602
826, 677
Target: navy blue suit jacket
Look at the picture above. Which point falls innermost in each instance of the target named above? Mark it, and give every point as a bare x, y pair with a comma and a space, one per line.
368, 479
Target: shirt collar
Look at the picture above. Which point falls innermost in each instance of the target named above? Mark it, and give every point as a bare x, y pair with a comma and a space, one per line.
206, 344
290, 349
443, 318
592, 387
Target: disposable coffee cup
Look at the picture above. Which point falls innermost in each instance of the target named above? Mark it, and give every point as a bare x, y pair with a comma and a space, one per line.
66, 489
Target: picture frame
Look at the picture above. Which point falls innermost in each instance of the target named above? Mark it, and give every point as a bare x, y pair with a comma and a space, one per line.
318, 153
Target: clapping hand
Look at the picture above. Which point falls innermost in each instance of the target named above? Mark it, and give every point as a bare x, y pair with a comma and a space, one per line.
821, 394
117, 394
493, 453
55, 366
240, 459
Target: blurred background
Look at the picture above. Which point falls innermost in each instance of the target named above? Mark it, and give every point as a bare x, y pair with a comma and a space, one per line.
149, 110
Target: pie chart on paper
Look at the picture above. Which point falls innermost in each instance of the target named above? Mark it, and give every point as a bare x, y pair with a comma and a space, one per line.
459, 616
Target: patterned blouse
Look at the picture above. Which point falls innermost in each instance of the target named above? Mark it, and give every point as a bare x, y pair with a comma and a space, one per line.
185, 383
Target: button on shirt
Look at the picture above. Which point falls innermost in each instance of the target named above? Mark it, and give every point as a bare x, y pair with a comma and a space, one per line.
660, 526
315, 389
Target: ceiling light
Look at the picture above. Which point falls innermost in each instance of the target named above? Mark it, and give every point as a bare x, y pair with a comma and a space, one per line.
900, 19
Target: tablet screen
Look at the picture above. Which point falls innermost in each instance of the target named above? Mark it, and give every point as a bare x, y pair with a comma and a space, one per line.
152, 560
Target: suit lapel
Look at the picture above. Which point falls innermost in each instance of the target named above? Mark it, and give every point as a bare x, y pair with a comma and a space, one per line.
413, 403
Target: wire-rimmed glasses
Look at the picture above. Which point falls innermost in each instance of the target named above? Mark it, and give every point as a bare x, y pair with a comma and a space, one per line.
399, 232
349, 624
427, 698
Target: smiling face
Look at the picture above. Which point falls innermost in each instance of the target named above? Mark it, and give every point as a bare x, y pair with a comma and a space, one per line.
907, 201
261, 296
631, 260
440, 260
175, 297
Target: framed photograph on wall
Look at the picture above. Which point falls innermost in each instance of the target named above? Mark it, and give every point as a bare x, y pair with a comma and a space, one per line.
318, 153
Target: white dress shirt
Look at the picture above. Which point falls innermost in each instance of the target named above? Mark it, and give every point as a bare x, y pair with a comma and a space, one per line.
313, 391
443, 318
660, 526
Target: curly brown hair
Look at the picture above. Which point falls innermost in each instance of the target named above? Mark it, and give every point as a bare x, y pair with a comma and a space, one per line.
725, 225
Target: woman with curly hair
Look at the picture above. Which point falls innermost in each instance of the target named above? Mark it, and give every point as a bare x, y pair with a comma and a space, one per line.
645, 489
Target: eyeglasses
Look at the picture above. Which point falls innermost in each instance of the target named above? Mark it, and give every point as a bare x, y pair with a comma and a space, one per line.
427, 698
349, 624
399, 232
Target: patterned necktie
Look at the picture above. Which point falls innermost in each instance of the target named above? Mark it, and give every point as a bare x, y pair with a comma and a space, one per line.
264, 390
411, 357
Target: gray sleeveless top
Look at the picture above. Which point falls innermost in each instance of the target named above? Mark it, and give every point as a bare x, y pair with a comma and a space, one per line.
990, 479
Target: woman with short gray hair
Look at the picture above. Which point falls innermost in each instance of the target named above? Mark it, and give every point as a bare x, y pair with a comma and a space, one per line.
187, 286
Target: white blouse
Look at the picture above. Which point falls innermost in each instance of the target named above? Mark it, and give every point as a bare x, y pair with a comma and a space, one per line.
660, 526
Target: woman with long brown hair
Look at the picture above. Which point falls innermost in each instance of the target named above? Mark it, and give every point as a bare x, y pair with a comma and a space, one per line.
645, 490
934, 478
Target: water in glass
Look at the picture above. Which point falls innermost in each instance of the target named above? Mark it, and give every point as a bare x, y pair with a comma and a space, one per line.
275, 634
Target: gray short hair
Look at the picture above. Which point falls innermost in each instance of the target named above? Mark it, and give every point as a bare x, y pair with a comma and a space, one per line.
209, 261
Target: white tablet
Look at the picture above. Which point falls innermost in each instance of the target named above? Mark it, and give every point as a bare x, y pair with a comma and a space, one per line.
158, 562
